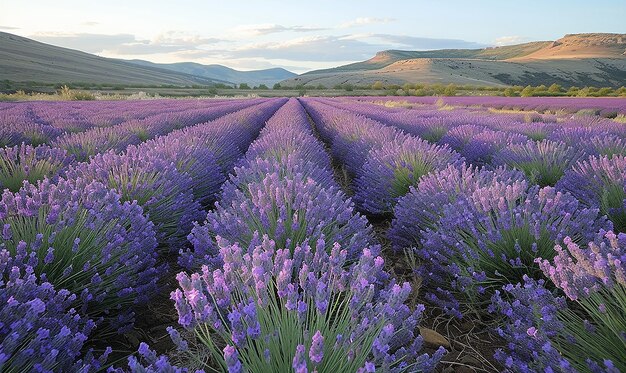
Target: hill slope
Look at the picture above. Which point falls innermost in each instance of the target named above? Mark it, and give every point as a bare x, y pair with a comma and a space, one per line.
23, 59
255, 77
579, 59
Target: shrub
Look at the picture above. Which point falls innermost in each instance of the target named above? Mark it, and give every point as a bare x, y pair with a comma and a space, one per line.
24, 162
164, 193
191, 157
492, 237
583, 331
390, 171
421, 208
543, 162
39, 328
271, 306
290, 210
79, 236
599, 182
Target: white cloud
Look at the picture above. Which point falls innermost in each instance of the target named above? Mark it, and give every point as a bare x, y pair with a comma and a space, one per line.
362, 21
510, 40
169, 41
315, 48
272, 28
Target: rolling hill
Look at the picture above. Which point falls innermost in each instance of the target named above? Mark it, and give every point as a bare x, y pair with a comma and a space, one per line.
578, 59
255, 77
23, 59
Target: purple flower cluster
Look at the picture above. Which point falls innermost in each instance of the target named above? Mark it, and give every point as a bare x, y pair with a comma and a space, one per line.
492, 237
149, 362
421, 208
531, 322
164, 193
266, 298
391, 170
543, 162
39, 328
585, 331
24, 162
289, 198
600, 182
79, 236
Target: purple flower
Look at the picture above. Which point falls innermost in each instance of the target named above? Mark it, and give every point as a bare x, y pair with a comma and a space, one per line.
316, 352
299, 360
231, 357
393, 168
113, 268
543, 162
493, 237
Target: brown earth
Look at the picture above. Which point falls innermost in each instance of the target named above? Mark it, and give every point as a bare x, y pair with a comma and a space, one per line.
574, 60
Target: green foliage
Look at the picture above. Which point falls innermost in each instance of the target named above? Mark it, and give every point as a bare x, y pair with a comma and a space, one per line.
527, 92
450, 90
244, 86
555, 88
277, 86
378, 85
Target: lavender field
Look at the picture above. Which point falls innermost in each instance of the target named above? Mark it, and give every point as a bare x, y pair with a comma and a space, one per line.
400, 234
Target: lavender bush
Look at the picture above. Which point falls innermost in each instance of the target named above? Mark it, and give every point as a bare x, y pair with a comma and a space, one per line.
78, 236
600, 182
291, 211
390, 171
23, 162
491, 238
39, 328
304, 309
543, 162
421, 208
154, 183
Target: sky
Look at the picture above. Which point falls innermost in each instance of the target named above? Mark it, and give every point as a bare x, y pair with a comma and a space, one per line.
297, 35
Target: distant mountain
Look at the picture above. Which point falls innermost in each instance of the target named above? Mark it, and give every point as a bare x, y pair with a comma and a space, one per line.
253, 78
578, 59
23, 59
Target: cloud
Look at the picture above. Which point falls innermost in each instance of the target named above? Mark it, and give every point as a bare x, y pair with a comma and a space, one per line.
8, 28
92, 43
510, 40
90, 23
317, 48
351, 47
420, 43
272, 28
126, 44
362, 21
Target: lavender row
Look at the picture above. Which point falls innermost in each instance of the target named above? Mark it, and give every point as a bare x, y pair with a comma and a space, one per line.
75, 248
85, 144
544, 151
38, 122
384, 161
290, 278
24, 162
601, 105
